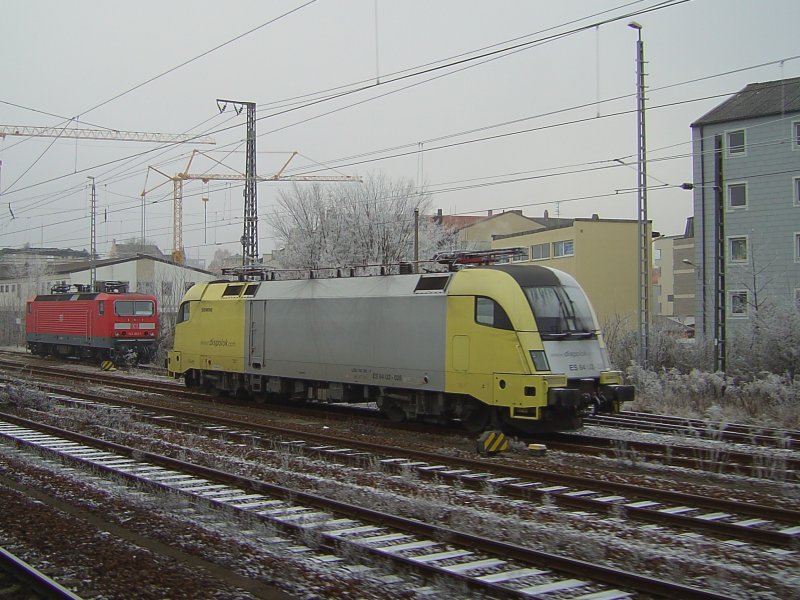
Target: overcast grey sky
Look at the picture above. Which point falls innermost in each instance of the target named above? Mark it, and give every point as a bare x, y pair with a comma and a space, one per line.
537, 128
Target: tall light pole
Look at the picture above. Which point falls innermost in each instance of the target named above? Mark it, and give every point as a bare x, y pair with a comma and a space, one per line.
643, 246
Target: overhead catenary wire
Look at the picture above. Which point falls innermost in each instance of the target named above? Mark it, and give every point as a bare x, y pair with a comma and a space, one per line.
426, 149
427, 69
516, 178
480, 139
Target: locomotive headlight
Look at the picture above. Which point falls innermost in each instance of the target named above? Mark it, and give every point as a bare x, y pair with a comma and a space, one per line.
540, 360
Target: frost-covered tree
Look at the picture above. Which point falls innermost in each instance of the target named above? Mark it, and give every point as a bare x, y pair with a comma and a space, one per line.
170, 286
222, 259
371, 223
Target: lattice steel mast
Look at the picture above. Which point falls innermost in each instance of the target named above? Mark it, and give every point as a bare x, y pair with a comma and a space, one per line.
250, 235
643, 248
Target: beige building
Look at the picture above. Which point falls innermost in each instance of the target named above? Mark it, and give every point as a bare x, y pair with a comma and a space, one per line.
685, 276
600, 254
663, 279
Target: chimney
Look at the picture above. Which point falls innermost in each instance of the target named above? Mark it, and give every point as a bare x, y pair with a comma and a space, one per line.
438, 218
489, 213
546, 214
595, 217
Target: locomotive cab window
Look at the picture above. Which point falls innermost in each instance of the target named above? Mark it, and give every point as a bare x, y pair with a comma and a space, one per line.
131, 308
561, 312
183, 312
488, 312
101, 307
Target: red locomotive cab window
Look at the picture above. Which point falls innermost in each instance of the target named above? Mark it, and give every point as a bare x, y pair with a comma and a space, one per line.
131, 308
30, 308
101, 307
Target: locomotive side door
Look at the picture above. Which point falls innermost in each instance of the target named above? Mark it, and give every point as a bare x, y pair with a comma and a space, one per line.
257, 333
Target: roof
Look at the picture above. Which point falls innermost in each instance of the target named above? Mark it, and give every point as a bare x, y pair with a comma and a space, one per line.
562, 224
75, 267
463, 221
133, 249
458, 221
756, 100
46, 252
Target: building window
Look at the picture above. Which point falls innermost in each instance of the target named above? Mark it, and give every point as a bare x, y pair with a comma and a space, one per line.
736, 143
796, 191
521, 256
737, 249
797, 247
737, 195
796, 135
563, 248
738, 305
540, 251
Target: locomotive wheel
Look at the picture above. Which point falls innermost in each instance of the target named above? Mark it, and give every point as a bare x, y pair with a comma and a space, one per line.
394, 412
479, 417
190, 380
213, 390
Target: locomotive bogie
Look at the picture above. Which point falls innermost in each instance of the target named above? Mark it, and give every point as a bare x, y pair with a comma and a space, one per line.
513, 347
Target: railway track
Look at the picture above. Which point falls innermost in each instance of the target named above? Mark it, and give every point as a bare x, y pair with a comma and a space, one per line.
714, 458
21, 581
491, 567
724, 519
701, 429
718, 458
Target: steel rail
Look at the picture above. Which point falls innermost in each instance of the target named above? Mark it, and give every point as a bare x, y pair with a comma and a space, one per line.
521, 554
578, 497
700, 429
720, 460
34, 579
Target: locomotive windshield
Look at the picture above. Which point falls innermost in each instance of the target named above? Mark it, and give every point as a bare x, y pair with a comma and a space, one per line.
561, 312
133, 308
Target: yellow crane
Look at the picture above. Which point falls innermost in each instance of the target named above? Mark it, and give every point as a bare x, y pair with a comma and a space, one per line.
103, 134
178, 255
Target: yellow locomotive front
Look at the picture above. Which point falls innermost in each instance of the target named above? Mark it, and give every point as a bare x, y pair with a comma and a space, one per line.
524, 342
208, 350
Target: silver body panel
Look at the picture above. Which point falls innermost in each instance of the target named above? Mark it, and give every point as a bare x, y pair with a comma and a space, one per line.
365, 330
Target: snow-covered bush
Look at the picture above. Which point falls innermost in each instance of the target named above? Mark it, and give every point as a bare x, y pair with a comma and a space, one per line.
761, 383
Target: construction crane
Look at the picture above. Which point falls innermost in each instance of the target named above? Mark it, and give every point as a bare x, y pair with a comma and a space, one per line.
103, 134
178, 255
100, 134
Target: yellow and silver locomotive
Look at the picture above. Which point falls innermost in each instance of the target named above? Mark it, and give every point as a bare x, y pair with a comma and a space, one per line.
516, 346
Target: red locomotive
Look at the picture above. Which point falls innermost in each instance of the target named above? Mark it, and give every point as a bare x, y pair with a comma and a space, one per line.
108, 324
